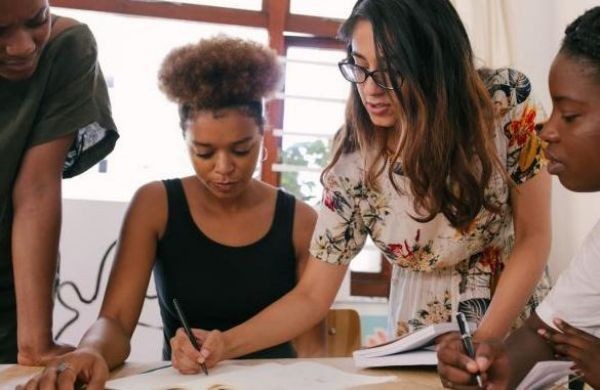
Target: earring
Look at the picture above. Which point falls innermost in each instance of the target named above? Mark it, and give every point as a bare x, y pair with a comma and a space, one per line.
265, 153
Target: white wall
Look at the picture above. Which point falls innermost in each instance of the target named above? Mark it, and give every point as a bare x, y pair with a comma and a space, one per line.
536, 30
89, 227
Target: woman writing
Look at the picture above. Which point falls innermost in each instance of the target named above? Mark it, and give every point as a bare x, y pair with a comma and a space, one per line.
224, 244
449, 189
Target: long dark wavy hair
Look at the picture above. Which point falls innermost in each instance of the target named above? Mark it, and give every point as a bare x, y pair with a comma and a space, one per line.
446, 117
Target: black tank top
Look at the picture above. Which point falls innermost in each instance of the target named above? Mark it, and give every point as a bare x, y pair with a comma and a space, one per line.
218, 286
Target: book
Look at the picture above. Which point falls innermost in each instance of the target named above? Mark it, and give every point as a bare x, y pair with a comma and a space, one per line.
413, 349
544, 374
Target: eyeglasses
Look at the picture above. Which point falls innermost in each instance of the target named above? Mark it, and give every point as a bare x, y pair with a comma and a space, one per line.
357, 74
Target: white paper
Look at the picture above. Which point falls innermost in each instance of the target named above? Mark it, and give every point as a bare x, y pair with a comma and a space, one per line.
267, 376
545, 373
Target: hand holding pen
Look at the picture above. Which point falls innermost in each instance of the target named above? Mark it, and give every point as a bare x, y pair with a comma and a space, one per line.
188, 332
465, 334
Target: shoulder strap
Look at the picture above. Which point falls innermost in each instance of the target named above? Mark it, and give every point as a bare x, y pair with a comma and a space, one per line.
283, 222
178, 209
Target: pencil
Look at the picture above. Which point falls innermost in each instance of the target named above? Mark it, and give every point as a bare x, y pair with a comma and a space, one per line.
188, 331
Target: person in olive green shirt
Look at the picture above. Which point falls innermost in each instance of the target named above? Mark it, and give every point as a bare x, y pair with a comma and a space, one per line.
55, 122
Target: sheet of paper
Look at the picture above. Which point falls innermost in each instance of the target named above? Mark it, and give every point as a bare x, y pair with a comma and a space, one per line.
164, 378
267, 376
544, 374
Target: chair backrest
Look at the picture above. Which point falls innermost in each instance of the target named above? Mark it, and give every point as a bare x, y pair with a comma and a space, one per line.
343, 332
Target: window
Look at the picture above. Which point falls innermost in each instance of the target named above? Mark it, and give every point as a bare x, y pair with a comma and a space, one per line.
339, 9
131, 50
314, 102
254, 5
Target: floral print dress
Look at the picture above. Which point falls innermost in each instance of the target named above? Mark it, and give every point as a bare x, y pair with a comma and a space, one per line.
437, 270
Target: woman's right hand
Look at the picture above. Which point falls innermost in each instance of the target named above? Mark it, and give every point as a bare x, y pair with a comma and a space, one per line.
81, 366
457, 370
186, 359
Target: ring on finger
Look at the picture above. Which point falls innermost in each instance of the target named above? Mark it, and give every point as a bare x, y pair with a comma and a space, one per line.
62, 367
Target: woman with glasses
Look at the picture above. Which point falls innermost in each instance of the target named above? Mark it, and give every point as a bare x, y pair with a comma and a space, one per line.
55, 122
445, 181
441, 172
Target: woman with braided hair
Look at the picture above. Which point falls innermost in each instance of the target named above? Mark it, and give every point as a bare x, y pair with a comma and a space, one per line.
224, 244
567, 323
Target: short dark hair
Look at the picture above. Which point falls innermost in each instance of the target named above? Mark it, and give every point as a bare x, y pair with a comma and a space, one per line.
218, 73
582, 40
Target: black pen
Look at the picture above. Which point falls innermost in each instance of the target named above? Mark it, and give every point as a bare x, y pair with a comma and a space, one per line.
465, 334
188, 331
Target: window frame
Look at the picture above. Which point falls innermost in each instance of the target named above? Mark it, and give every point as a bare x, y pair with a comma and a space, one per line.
274, 16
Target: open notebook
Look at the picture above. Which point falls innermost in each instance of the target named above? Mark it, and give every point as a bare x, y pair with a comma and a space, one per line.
265, 376
413, 349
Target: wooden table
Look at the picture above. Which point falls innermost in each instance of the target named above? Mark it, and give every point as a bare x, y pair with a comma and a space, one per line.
407, 378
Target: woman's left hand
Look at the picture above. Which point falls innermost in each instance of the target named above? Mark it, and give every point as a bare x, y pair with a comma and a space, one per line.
580, 347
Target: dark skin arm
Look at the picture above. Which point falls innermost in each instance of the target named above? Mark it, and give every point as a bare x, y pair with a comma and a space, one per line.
503, 365
106, 344
35, 237
580, 347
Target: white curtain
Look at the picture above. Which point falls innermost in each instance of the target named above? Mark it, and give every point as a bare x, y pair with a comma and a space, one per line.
486, 24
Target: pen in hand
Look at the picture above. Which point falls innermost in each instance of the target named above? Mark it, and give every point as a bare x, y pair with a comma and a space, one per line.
188, 331
465, 334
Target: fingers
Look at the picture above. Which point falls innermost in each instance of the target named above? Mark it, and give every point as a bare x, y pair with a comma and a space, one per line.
573, 331
185, 358
454, 367
99, 376
486, 353
455, 358
212, 348
56, 376
447, 384
567, 344
66, 379
452, 352
454, 375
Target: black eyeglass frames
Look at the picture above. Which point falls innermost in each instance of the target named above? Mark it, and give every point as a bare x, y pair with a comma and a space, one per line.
357, 74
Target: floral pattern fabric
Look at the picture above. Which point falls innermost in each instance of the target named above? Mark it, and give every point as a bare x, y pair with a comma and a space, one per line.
437, 269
